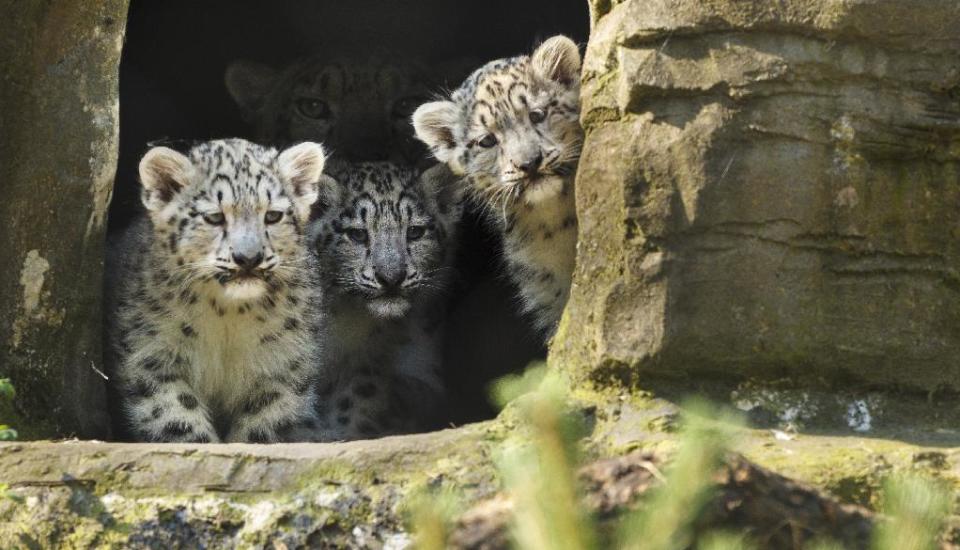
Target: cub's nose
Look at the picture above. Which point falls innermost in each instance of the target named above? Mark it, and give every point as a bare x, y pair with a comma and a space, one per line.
246, 262
531, 165
391, 278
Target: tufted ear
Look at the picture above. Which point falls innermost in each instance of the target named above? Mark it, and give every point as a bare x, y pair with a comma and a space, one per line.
249, 83
301, 167
163, 173
440, 183
557, 59
435, 124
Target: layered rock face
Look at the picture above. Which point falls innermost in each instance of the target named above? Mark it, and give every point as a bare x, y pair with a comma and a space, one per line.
769, 189
58, 153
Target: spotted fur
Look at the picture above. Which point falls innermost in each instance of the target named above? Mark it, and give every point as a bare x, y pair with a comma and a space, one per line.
215, 296
512, 131
361, 109
385, 239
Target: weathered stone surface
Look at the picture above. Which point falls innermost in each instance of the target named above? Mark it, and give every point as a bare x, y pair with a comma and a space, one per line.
769, 189
100, 495
57, 161
108, 495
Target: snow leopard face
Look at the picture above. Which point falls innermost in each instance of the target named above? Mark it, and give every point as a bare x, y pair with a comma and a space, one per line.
385, 235
360, 110
231, 215
512, 128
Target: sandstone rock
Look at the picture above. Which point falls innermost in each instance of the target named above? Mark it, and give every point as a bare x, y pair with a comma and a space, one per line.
769, 189
57, 161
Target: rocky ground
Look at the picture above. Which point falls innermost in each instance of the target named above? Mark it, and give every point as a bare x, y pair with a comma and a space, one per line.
87, 494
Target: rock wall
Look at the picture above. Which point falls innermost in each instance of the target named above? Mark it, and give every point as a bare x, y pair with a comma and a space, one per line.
57, 162
769, 189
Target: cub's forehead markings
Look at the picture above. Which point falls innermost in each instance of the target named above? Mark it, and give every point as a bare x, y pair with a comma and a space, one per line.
410, 194
517, 92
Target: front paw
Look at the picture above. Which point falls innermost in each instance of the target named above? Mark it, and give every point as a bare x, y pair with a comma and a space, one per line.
181, 432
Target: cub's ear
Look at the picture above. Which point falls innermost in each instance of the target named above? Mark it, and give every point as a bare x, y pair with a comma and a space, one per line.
301, 167
329, 193
557, 59
435, 124
249, 83
163, 173
441, 184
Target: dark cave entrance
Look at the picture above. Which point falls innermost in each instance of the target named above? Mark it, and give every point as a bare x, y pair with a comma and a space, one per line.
172, 91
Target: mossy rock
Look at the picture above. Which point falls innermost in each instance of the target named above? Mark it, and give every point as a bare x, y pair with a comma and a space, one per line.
96, 495
767, 189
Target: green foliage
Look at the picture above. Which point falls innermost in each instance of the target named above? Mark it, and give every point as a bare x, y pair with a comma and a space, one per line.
430, 514
665, 522
6, 389
538, 469
917, 508
540, 475
7, 393
508, 388
7, 433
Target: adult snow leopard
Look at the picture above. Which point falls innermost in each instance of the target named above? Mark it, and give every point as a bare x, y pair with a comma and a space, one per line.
360, 109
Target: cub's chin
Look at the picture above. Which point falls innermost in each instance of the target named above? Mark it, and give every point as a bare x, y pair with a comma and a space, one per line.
245, 288
389, 307
541, 189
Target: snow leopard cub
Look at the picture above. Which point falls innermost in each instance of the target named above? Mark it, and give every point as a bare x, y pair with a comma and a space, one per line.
512, 130
385, 237
359, 108
214, 295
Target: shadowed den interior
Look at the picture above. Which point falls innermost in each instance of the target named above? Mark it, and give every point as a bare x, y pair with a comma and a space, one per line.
173, 92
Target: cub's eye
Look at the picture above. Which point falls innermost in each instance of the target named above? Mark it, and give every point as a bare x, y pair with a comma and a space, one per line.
272, 216
405, 106
358, 236
488, 141
415, 232
314, 108
537, 116
214, 218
